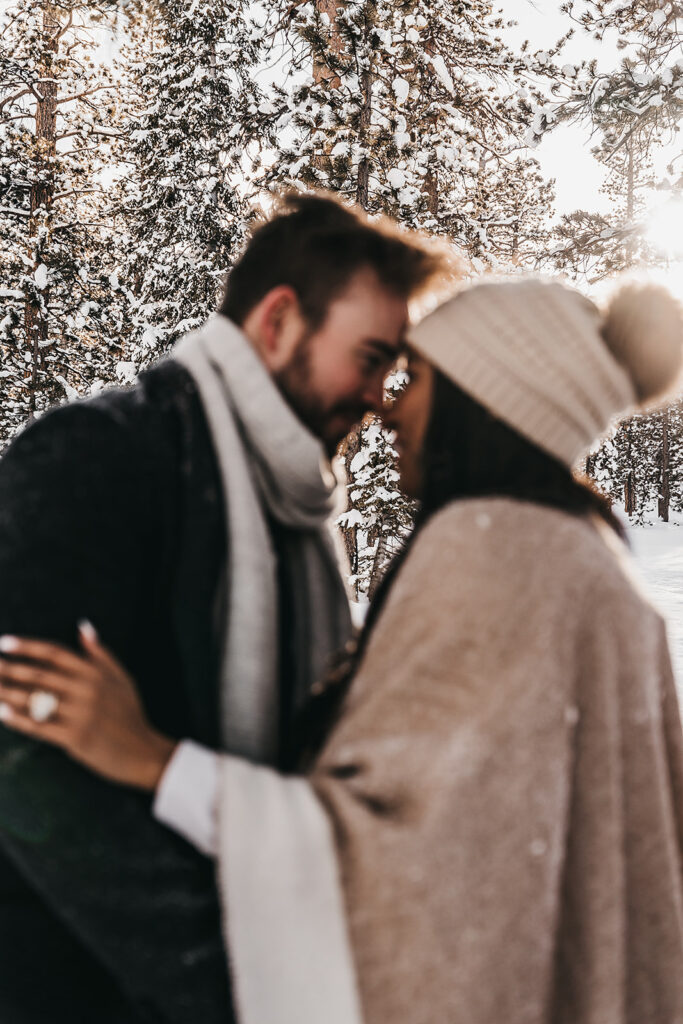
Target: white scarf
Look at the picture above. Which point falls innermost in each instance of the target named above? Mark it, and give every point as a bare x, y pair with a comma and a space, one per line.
283, 910
269, 464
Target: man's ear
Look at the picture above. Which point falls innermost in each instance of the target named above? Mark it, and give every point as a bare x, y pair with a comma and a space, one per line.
275, 326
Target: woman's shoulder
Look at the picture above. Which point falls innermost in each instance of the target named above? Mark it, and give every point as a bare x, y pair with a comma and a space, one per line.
508, 515
506, 526
505, 545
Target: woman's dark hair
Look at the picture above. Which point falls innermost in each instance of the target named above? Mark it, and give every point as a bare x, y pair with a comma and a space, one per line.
468, 453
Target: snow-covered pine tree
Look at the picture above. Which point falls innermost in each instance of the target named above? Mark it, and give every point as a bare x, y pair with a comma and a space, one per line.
643, 97
594, 247
636, 111
639, 465
410, 109
417, 110
378, 517
671, 496
634, 121
193, 116
59, 323
511, 228
619, 472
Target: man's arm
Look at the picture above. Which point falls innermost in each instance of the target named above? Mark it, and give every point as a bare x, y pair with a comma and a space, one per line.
74, 544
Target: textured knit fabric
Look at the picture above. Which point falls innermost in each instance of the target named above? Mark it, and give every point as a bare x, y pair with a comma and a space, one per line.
506, 783
530, 351
271, 465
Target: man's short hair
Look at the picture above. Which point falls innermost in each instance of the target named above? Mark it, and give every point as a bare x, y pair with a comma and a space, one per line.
315, 244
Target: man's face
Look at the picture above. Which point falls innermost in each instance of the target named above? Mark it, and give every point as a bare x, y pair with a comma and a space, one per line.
336, 373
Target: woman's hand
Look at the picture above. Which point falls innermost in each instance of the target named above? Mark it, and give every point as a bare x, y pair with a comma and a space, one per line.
86, 704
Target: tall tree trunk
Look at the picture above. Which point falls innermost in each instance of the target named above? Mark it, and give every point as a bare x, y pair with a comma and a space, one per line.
323, 74
430, 185
630, 493
379, 565
363, 190
321, 71
630, 477
630, 185
348, 449
363, 200
42, 187
665, 477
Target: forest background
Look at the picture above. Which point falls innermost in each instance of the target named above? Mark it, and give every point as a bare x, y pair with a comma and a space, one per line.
139, 137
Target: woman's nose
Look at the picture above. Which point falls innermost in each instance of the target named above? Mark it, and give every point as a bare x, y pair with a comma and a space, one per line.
374, 401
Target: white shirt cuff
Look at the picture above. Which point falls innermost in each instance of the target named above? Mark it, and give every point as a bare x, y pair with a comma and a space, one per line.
186, 798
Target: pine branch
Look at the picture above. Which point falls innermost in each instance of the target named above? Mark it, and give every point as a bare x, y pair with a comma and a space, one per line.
286, 17
63, 29
78, 192
13, 99
80, 95
14, 211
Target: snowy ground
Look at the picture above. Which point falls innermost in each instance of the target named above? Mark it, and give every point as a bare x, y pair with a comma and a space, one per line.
659, 552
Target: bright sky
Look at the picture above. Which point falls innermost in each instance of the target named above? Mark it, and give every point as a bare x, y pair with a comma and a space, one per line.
565, 154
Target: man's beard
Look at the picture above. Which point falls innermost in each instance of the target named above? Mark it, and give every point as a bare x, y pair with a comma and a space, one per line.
294, 381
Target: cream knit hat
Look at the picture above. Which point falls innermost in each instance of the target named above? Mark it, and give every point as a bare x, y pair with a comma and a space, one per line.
544, 359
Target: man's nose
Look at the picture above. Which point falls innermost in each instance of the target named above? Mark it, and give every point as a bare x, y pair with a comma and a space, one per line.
373, 397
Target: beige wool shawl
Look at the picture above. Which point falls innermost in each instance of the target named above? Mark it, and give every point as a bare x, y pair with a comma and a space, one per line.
504, 791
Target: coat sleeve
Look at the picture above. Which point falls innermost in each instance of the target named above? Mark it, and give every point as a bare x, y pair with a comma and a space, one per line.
448, 782
72, 498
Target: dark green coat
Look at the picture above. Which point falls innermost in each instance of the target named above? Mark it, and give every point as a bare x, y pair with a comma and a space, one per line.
111, 510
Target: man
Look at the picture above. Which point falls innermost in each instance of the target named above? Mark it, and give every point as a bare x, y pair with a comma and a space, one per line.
185, 519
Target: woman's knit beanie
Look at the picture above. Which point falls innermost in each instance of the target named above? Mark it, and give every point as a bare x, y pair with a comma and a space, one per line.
545, 359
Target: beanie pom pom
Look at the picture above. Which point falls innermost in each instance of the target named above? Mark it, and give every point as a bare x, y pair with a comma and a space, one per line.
643, 329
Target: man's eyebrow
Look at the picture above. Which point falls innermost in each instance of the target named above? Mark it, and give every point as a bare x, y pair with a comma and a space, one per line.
387, 348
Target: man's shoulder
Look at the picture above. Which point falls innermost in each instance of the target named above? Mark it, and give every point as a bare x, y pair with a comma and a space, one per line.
126, 422
159, 395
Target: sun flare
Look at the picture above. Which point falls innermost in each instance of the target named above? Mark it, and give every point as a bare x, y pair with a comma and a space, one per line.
664, 229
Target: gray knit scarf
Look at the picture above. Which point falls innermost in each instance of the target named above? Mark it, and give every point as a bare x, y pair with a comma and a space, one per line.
270, 465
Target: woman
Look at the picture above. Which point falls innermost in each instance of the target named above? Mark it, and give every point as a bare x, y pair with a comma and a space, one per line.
500, 792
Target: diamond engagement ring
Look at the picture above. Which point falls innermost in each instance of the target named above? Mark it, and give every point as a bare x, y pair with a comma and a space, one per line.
42, 706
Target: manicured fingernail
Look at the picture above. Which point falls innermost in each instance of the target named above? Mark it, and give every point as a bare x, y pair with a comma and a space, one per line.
5, 712
8, 644
87, 629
